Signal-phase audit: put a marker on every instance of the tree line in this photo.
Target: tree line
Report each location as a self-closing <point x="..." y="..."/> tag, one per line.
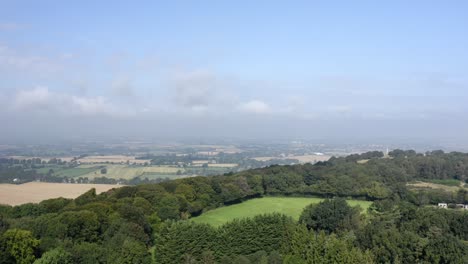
<point x="122" y="225"/>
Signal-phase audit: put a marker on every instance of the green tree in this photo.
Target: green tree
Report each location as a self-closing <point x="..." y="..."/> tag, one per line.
<point x="330" y="216"/>
<point x="20" y="244"/>
<point x="130" y="252"/>
<point x="55" y="256"/>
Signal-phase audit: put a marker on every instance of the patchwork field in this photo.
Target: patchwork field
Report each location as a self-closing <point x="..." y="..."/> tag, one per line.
<point x="118" y="171"/>
<point x="291" y="206"/>
<point x="112" y="159"/>
<point x="34" y="192"/>
<point x="300" y="158"/>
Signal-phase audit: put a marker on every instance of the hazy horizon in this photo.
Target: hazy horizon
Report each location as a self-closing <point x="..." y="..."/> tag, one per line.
<point x="336" y="71"/>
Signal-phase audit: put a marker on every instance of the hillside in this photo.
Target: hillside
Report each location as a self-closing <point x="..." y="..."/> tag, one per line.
<point x="135" y="219"/>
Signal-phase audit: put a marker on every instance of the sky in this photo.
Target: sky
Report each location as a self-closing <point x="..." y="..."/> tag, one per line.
<point x="364" y="70"/>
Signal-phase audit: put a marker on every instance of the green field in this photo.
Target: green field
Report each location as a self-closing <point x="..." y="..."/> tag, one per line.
<point x="118" y="171"/>
<point x="63" y="171"/>
<point x="448" y="182"/>
<point x="291" y="206"/>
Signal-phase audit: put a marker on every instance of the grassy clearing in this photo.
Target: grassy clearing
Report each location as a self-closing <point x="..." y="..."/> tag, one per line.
<point x="291" y="206"/>
<point x="431" y="185"/>
<point x="448" y="182"/>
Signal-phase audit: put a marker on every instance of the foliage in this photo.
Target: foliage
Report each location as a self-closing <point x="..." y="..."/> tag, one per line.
<point x="20" y="245"/>
<point x="331" y="216"/>
<point x="55" y="256"/>
<point x="122" y="225"/>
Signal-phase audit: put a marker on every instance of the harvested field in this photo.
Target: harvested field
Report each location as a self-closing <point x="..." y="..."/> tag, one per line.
<point x="200" y="162"/>
<point x="112" y="159"/>
<point x="300" y="158"/>
<point x="34" y="192"/>
<point x="215" y="165"/>
<point x="116" y="171"/>
<point x="223" y="165"/>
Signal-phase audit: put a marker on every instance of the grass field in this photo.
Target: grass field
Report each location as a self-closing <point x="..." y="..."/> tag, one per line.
<point x="448" y="182"/>
<point x="291" y="206"/>
<point x="76" y="172"/>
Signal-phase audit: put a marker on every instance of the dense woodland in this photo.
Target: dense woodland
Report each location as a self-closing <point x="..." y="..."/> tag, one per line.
<point x="148" y="223"/>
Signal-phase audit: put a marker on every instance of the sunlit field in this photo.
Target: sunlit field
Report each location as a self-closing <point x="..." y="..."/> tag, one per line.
<point x="291" y="206"/>
<point x="35" y="192"/>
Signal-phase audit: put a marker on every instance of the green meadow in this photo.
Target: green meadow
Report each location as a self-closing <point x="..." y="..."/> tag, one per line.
<point x="291" y="206"/>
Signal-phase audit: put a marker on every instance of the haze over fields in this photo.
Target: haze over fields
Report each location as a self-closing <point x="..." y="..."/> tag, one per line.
<point x="152" y="70"/>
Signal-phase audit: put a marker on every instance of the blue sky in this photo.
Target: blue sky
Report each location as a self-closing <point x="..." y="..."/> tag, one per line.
<point x="320" y="66"/>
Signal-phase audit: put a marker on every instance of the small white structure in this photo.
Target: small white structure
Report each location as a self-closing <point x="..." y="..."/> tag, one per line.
<point x="465" y="207"/>
<point x="442" y="205"/>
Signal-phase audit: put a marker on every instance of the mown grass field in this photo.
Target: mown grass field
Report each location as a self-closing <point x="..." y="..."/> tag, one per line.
<point x="63" y="171"/>
<point x="291" y="206"/>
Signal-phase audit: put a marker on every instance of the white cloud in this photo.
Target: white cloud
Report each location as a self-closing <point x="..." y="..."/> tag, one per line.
<point x="38" y="97"/>
<point x="13" y="60"/>
<point x="255" y="106"/>
<point x="123" y="87"/>
<point x="41" y="100"/>
<point x="341" y="109"/>
<point x="194" y="89"/>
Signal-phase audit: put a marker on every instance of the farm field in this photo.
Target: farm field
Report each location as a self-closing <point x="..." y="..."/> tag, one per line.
<point x="35" y="192"/>
<point x="112" y="158"/>
<point x="291" y="206"/>
<point x="128" y="172"/>
<point x="300" y="158"/>
<point x="75" y="172"/>
<point x="432" y="185"/>
<point x="197" y="163"/>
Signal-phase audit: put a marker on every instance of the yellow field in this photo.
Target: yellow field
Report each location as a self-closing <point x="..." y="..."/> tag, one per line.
<point x="223" y="165"/>
<point x="112" y="158"/>
<point x="118" y="171"/>
<point x="195" y="162"/>
<point x="199" y="163"/>
<point x="34" y="192"/>
<point x="301" y="158"/>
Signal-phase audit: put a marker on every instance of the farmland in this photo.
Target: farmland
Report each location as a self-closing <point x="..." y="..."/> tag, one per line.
<point x="118" y="171"/>
<point x="300" y="158"/>
<point x="112" y="159"/>
<point x="34" y="192"/>
<point x="291" y="206"/>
